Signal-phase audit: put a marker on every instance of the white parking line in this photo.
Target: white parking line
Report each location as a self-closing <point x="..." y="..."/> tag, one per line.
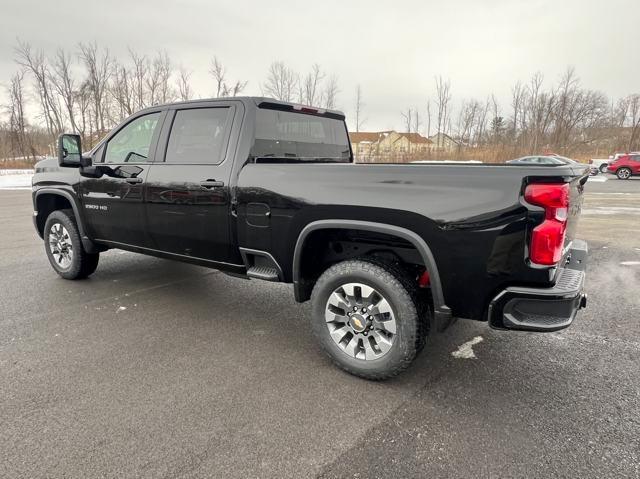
<point x="611" y="210"/>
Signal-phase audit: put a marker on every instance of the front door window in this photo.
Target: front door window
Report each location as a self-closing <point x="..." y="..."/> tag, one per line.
<point x="133" y="142"/>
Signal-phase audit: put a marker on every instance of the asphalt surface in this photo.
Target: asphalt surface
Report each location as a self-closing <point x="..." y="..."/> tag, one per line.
<point x="153" y="368"/>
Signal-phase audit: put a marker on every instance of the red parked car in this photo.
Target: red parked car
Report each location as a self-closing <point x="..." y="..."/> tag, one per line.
<point x="626" y="166"/>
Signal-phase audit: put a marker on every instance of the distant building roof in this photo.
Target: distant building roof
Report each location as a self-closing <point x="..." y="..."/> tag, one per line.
<point x="367" y="136"/>
<point x="444" y="136"/>
<point x="362" y="136"/>
<point x="416" y="138"/>
<point x="374" y="136"/>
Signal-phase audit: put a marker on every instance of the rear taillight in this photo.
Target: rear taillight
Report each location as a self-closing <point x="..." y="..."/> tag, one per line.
<point x="547" y="239"/>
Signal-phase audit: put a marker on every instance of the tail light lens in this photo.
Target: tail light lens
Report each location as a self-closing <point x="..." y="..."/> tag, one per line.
<point x="547" y="239"/>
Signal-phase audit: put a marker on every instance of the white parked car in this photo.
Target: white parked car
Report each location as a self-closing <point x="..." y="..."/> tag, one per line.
<point x="600" y="163"/>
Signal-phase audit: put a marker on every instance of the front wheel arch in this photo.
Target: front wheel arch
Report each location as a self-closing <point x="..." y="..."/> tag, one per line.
<point x="48" y="200"/>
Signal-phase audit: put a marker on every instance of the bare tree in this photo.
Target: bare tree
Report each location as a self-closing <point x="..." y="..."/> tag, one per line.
<point x="20" y="144"/>
<point x="417" y="122"/>
<point x="139" y="74"/>
<point x="428" y="118"/>
<point x="84" y="109"/>
<point x="359" y="106"/>
<point x="541" y="106"/>
<point x="159" y="80"/>
<point x="310" y="89"/>
<point x="99" y="71"/>
<point x="217" y="71"/>
<point x="518" y="94"/>
<point x="468" y="120"/>
<point x="634" y="114"/>
<point x="481" y="123"/>
<point x="184" y="87"/>
<point x="238" y="87"/>
<point x="50" y="108"/>
<point x="407" y="119"/>
<point x="330" y="93"/>
<point x="443" y="97"/>
<point x="122" y="90"/>
<point x="64" y="84"/>
<point x="281" y="82"/>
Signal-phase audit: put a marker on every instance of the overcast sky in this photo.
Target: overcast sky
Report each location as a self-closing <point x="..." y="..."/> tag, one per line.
<point x="393" y="49"/>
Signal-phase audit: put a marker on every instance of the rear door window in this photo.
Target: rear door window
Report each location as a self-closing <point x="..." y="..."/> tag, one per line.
<point x="199" y="136"/>
<point x="299" y="137"/>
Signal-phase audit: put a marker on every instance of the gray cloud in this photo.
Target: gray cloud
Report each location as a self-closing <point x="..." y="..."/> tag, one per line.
<point x="393" y="49"/>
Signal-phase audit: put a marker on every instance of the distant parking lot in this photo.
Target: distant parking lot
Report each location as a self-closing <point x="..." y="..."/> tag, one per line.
<point x="152" y="368"/>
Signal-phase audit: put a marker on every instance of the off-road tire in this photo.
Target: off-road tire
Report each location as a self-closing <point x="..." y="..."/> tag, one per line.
<point x="82" y="264"/>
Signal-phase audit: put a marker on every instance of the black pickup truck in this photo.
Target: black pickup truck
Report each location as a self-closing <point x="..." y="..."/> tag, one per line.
<point x="268" y="190"/>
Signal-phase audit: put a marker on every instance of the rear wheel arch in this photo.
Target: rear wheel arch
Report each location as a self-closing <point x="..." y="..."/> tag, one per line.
<point x="303" y="288"/>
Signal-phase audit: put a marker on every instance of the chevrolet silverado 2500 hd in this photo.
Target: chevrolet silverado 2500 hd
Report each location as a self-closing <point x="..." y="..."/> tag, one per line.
<point x="269" y="190"/>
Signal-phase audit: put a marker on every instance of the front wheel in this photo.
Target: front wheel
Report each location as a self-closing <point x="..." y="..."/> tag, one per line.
<point x="369" y="318"/>
<point x="604" y="168"/>
<point x="623" y="173"/>
<point x="64" y="248"/>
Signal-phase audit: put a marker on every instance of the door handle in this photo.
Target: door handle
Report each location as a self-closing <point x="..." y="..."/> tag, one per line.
<point x="133" y="180"/>
<point x="211" y="184"/>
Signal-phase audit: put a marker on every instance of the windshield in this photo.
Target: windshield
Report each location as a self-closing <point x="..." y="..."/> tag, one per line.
<point x="285" y="135"/>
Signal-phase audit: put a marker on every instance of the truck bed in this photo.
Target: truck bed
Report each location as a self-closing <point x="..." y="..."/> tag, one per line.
<point x="472" y="216"/>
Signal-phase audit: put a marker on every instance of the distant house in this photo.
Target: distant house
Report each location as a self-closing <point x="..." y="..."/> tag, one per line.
<point x="380" y="145"/>
<point x="443" y="142"/>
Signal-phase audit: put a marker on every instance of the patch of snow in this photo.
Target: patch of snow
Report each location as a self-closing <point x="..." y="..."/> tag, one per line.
<point x="121" y="308"/>
<point x="598" y="179"/>
<point x="15" y="179"/>
<point x="465" y="351"/>
<point x="630" y="263"/>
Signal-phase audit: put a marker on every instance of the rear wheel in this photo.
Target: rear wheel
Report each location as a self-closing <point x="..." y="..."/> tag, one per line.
<point x="603" y="168"/>
<point x="64" y="247"/>
<point x="369" y="318"/>
<point x="623" y="173"/>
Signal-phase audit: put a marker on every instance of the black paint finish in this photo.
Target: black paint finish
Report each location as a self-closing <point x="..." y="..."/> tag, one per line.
<point x="472" y="217"/>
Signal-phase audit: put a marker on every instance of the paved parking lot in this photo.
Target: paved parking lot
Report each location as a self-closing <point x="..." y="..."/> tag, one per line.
<point x="152" y="368"/>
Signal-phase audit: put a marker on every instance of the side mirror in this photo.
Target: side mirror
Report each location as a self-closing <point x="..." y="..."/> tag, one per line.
<point x="69" y="150"/>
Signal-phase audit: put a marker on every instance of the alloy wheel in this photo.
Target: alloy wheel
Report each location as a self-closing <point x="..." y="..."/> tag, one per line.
<point x="60" y="245"/>
<point x="360" y="321"/>
<point x="624" y="173"/>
